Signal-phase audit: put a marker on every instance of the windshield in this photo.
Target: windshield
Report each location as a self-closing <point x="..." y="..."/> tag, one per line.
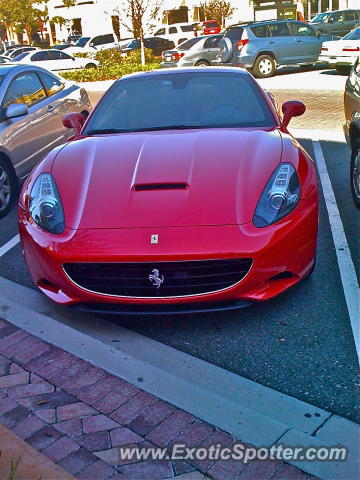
<point x="354" y="35"/>
<point x="82" y="42"/>
<point x="320" y="17"/>
<point x="189" y="43"/>
<point x="2" y="78"/>
<point x="20" y="56"/>
<point x="183" y="100"/>
<point x="133" y="44"/>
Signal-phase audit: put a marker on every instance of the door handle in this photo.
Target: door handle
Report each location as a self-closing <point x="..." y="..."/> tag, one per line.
<point x="299" y="41"/>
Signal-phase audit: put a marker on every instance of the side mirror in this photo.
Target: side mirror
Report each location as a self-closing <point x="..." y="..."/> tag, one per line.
<point x="73" y="59"/>
<point x="16" y="110"/>
<point x="75" y="121"/>
<point x="290" y="109"/>
<point x="91" y="44"/>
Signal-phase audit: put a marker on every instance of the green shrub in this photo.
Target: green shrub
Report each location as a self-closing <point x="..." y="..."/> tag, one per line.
<point x="109" y="57"/>
<point x="108" y="72"/>
<point x="83" y="55"/>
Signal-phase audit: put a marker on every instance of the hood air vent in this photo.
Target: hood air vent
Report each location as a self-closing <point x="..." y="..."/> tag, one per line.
<point x="160" y="186"/>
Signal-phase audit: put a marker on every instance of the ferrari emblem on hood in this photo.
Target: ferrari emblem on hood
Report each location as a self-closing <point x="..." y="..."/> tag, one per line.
<point x="154" y="277"/>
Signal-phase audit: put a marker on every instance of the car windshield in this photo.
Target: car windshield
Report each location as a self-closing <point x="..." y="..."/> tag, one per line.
<point x="20" y="56"/>
<point x="82" y="42"/>
<point x="133" y="44"/>
<point x="189" y="43"/>
<point x="320" y="17"/>
<point x="180" y="101"/>
<point x="2" y="77"/>
<point x="354" y="35"/>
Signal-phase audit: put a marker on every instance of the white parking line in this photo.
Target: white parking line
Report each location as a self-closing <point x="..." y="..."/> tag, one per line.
<point x="9" y="245"/>
<point x="346" y="266"/>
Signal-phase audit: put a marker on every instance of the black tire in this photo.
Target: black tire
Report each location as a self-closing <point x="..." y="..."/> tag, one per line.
<point x="90" y="65"/>
<point x="343" y="69"/>
<point x="355" y="176"/>
<point x="8" y="187"/>
<point x="202" y="63"/>
<point x="264" y="66"/>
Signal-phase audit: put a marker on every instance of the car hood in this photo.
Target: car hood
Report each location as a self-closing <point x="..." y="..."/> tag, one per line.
<point x="167" y="178"/>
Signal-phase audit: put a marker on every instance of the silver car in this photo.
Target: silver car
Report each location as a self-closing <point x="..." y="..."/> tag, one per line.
<point x="33" y="102"/>
<point x="198" y="51"/>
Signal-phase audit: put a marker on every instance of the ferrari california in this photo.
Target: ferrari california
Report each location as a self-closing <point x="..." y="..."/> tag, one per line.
<point x="182" y="191"/>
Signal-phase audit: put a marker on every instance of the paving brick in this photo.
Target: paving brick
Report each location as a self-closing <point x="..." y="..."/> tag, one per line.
<point x="14" y="416"/>
<point x="289" y="472"/>
<point x="116" y="398"/>
<point x="110" y="456"/>
<point x="216" y="438"/>
<point x="28" y="426"/>
<point x="133" y="407"/>
<point x="2" y="395"/>
<point x="30" y="390"/>
<point x="228" y="469"/>
<point x="44" y="437"/>
<point x="30" y="348"/>
<point x="7" y="404"/>
<point x="151" y="417"/>
<point x="72" y="428"/>
<point x="100" y="389"/>
<point x="35" y="378"/>
<point x="170" y="427"/>
<point x="83" y="380"/>
<point x="15" y="368"/>
<point x="7" y="343"/>
<point x="95" y="441"/>
<point x="4" y="323"/>
<point x="263" y="470"/>
<point x="46" y="414"/>
<point x="148" y="470"/>
<point x="180" y="467"/>
<point x="59" y="379"/>
<point x="60" y="449"/>
<point x="4" y="366"/>
<point x="73" y="410"/>
<point x="6" y="330"/>
<point x="123" y="436"/>
<point x="14" y="380"/>
<point x="77" y="461"/>
<point x="43" y="359"/>
<point x="98" y="423"/>
<point x="194" y="434"/>
<point x="60" y="362"/>
<point x="98" y="470"/>
<point x="51" y="400"/>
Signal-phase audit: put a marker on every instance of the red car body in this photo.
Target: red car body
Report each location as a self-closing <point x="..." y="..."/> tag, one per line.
<point x="221" y="173"/>
<point x="211" y="27"/>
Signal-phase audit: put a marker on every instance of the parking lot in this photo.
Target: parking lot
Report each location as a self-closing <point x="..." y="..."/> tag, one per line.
<point x="301" y="343"/>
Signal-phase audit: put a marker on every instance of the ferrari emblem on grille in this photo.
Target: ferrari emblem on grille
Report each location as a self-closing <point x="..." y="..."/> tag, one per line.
<point x="154" y="238"/>
<point x="154" y="277"/>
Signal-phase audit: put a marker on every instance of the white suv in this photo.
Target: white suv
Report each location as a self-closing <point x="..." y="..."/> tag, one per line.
<point x="178" y="32"/>
<point x="92" y="44"/>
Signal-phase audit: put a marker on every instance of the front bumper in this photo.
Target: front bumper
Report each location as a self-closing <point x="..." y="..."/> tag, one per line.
<point x="282" y="255"/>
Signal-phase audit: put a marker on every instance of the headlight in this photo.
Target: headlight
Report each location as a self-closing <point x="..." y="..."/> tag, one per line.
<point x="279" y="198"/>
<point x="45" y="204"/>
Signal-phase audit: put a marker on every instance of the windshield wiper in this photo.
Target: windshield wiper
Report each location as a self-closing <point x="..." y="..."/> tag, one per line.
<point x="107" y="130"/>
<point x="167" y="127"/>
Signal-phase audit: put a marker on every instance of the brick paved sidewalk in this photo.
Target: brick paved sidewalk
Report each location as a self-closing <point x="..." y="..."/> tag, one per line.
<point x="78" y="415"/>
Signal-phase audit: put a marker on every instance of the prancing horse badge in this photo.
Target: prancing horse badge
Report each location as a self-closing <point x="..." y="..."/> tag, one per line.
<point x="154" y="238"/>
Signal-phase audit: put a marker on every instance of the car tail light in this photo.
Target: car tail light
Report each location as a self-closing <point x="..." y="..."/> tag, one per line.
<point x="357" y="49"/>
<point x="176" y="56"/>
<point x="242" y="43"/>
<point x="324" y="49"/>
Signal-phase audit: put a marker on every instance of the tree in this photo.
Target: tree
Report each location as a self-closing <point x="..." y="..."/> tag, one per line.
<point x="217" y="10"/>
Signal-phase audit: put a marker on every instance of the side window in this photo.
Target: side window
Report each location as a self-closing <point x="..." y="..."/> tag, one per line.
<point x="261" y="31"/>
<point x="55" y="55"/>
<point x="40" y="56"/>
<point x="64" y="56"/>
<point x="25" y="88"/>
<point x="97" y="40"/>
<point x="301" y="30"/>
<point x="279" y="29"/>
<point x="234" y="33"/>
<point x="349" y="16"/>
<point x="52" y="85"/>
<point x="172" y="30"/>
<point x="335" y="17"/>
<point x="212" y="42"/>
<point x="109" y="38"/>
<point x="161" y="31"/>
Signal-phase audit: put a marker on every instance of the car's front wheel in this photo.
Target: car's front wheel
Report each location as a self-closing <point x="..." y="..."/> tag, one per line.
<point x="355" y="176"/>
<point x="90" y="65"/>
<point x="202" y="63"/>
<point x="8" y="187"/>
<point x="264" y="66"/>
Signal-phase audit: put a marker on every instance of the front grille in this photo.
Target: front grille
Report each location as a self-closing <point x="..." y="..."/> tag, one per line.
<point x="175" y="279"/>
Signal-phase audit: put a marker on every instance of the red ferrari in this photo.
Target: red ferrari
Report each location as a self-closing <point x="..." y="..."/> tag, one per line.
<point x="183" y="191"/>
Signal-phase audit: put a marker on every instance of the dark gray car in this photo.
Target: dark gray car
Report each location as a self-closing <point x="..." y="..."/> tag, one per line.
<point x="198" y="51"/>
<point x="32" y="104"/>
<point x="263" y="46"/>
<point x="339" y="22"/>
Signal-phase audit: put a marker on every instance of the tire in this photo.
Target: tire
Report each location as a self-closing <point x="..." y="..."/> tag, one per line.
<point x="355" y="176"/>
<point x="264" y="66"/>
<point x="8" y="187"/>
<point x="202" y="63"/>
<point x="226" y="50"/>
<point x="342" y="69"/>
<point x="90" y="65"/>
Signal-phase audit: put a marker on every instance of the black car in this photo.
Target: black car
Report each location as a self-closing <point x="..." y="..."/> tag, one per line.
<point x="156" y="44"/>
<point x="352" y="127"/>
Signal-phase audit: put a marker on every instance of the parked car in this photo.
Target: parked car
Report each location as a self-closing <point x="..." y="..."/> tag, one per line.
<point x="210" y="27"/>
<point x="10" y="46"/>
<point x="263" y="46"/>
<point x="352" y="127"/>
<point x="72" y="39"/>
<point x="198" y="51"/>
<point x="210" y="185"/>
<point x="62" y="46"/>
<point x="155" y="44"/>
<point x="4" y="59"/>
<point x="177" y="32"/>
<point x="33" y="102"/>
<point x="17" y="51"/>
<point x="342" y="54"/>
<point x="339" y="22"/>
<point x="55" y="60"/>
<point x="93" y="44"/>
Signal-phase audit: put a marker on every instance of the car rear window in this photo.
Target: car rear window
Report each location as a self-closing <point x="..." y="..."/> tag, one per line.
<point x="189" y="43"/>
<point x="181" y="100"/>
<point x="187" y="28"/>
<point x="234" y="33"/>
<point x="211" y="25"/>
<point x="354" y="35"/>
<point x="260" y="31"/>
